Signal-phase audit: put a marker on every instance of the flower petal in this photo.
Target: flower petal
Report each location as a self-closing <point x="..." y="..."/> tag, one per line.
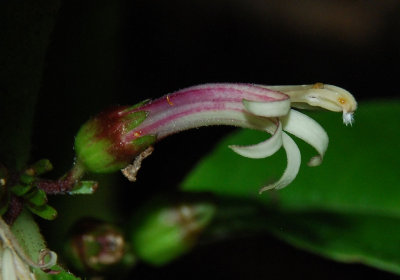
<point x="293" y="164"/>
<point x="263" y="149"/>
<point x="308" y="130"/>
<point x="268" y="109"/>
<point x="8" y="266"/>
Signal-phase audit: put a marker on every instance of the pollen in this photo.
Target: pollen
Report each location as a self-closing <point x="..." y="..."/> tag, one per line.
<point x="169" y="101"/>
<point x="342" y="100"/>
<point x="137" y="133"/>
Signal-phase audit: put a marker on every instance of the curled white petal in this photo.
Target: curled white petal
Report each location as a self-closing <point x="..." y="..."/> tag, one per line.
<point x="293" y="164"/>
<point x="263" y="149"/>
<point x="268" y="109"/>
<point x="308" y="130"/>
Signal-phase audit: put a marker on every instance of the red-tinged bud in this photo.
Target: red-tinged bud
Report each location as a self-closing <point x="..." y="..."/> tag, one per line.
<point x="98" y="247"/>
<point x="101" y="143"/>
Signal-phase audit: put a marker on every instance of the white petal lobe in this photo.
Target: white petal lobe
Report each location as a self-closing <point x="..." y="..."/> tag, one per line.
<point x="293" y="164"/>
<point x="308" y="130"/>
<point x="263" y="149"/>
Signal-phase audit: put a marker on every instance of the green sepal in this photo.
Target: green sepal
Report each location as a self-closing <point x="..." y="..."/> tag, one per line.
<point x="135" y="119"/>
<point x="36" y="197"/>
<point x="20" y="190"/>
<point x="26" y="179"/>
<point x="40" y="167"/>
<point x="143" y="142"/>
<point x="45" y="211"/>
<point x="137" y="105"/>
<point x="84" y="187"/>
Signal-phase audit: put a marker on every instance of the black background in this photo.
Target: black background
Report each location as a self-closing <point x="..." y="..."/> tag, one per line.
<point x="103" y="53"/>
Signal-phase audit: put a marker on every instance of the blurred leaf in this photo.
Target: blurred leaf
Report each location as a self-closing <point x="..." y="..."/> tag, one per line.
<point x="357" y="183"/>
<point x="63" y="275"/>
<point x="366" y="238"/>
<point x="28" y="235"/>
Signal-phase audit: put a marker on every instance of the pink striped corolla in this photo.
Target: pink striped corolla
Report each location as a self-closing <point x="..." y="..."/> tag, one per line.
<point x="114" y="138"/>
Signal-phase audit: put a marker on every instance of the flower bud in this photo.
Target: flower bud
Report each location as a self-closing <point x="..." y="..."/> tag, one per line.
<point x="101" y="144"/>
<point x="168" y="231"/>
<point x="97" y="247"/>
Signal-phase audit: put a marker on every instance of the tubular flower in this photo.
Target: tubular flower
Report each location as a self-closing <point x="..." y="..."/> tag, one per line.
<point x="113" y="139"/>
<point x="14" y="263"/>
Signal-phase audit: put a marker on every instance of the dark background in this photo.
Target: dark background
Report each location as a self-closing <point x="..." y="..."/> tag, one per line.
<point x="103" y="53"/>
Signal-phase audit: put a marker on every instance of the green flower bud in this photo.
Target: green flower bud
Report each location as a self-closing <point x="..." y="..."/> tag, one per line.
<point x="104" y="144"/>
<point x="97" y="247"/>
<point x="165" y="233"/>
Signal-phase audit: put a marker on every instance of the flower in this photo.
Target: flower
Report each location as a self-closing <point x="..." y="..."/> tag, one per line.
<point x="14" y="263"/>
<point x="114" y="138"/>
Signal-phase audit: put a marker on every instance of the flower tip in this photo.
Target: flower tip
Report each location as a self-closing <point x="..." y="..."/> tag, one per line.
<point x="348" y="118"/>
<point x="266" y="188"/>
<point x="315" y="161"/>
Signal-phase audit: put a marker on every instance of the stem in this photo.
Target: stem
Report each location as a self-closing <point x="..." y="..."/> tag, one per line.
<point x="65" y="183"/>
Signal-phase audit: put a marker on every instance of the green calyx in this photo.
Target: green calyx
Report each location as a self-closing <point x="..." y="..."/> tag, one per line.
<point x="92" y="151"/>
<point x="135" y="119"/>
<point x="143" y="142"/>
<point x="162" y="234"/>
<point x="101" y="146"/>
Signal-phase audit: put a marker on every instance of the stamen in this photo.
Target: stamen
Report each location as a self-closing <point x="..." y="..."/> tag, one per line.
<point x="348" y="118"/>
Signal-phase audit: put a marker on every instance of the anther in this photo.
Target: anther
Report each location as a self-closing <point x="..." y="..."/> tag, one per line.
<point x="169" y="101"/>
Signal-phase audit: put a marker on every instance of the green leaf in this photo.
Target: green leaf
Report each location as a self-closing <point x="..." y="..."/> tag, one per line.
<point x="63" y="275"/>
<point x="366" y="238"/>
<point x="28" y="235"/>
<point x="357" y="183"/>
